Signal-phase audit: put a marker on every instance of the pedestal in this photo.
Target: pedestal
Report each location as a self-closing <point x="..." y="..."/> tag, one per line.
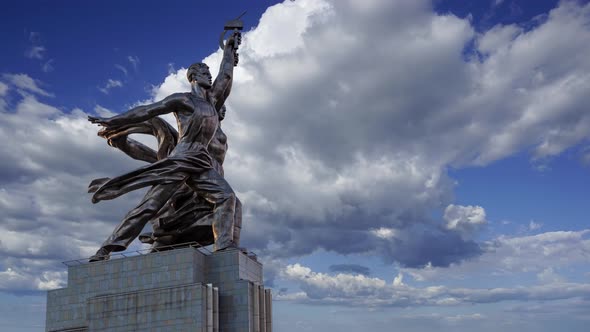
<point x="176" y="290"/>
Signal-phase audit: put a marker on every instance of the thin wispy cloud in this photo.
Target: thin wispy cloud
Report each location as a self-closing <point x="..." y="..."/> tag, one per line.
<point x="35" y="49"/>
<point x="122" y="69"/>
<point x="48" y="66"/>
<point x="134" y="60"/>
<point x="111" y="83"/>
<point x="35" y="52"/>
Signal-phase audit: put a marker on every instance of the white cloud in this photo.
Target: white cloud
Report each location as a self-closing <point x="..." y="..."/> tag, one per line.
<point x="504" y="256"/>
<point x="23" y="281"/>
<point x="288" y="21"/>
<point x="542" y="86"/>
<point x="111" y="83"/>
<point x="341" y="136"/>
<point x="122" y="69"/>
<point x="320" y="285"/>
<point x="3" y="89"/>
<point x="35" y="52"/>
<point x="174" y="82"/>
<point x="48" y="66"/>
<point x="466" y="220"/>
<point x="459" y="318"/>
<point x="359" y="290"/>
<point x="25" y="83"/>
<point x="533" y="226"/>
<point x="3" y="103"/>
<point x="290" y="296"/>
<point x="498" y="38"/>
<point x="134" y="60"/>
<point x="384" y="233"/>
<point x="48" y="158"/>
<point x="548" y="275"/>
<point x="354" y="133"/>
<point x="103" y="112"/>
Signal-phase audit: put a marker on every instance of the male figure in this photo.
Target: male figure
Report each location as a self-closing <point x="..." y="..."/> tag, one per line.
<point x="189" y="162"/>
<point x="186" y="217"/>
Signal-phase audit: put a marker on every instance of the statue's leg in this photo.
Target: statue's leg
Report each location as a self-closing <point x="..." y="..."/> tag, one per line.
<point x="211" y="186"/>
<point x="130" y="227"/>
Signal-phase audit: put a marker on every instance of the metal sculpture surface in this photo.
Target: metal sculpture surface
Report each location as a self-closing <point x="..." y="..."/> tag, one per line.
<point x="189" y="200"/>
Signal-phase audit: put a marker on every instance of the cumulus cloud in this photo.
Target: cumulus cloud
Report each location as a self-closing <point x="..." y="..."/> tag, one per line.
<point x="384" y="233"/>
<point x="175" y="82"/>
<point x="506" y="255"/>
<point x="48" y="158"/>
<point x="340" y="140"/>
<point x="342" y="285"/>
<point x="359" y="290"/>
<point x="547" y="111"/>
<point x="498" y="37"/>
<point x="18" y="281"/>
<point x="330" y="196"/>
<point x="466" y="220"/>
<point x="341" y="136"/>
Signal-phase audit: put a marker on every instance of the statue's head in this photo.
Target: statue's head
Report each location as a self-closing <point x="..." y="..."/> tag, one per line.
<point x="199" y="72"/>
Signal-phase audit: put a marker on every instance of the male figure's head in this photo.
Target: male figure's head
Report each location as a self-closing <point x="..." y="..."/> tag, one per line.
<point x="199" y="73"/>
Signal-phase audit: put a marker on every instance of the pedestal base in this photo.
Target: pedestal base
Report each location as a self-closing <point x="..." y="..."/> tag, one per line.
<point x="177" y="290"/>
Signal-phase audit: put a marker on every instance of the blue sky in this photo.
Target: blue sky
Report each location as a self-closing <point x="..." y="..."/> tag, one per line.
<point x="411" y="164"/>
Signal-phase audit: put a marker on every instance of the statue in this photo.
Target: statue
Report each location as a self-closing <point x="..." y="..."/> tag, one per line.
<point x="188" y="198"/>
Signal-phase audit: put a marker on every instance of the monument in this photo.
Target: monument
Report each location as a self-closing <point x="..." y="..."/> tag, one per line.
<point x="178" y="285"/>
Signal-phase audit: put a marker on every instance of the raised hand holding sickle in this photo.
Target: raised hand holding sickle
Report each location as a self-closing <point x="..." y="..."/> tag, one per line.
<point x="236" y="38"/>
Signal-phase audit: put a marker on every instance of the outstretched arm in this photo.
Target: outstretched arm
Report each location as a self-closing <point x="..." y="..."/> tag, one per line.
<point x="142" y="113"/>
<point x="222" y="85"/>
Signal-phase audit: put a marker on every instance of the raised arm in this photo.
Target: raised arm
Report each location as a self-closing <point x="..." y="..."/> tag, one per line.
<point x="142" y="113"/>
<point x="222" y="84"/>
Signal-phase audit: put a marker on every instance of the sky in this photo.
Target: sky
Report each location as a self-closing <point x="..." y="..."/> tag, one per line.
<point x="403" y="164"/>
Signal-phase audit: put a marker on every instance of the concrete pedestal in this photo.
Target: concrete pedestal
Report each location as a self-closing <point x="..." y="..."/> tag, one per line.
<point x="176" y="290"/>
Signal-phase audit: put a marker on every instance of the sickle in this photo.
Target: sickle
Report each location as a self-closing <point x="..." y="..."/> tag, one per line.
<point x="235" y="24"/>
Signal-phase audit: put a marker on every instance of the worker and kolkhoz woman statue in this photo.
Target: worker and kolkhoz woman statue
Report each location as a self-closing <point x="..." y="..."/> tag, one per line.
<point x="189" y="200"/>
